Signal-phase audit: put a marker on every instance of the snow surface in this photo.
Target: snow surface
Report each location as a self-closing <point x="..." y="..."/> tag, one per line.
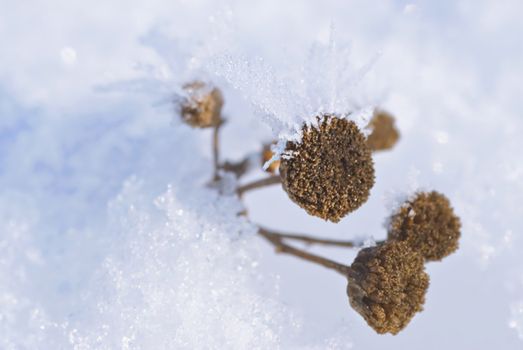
<point x="109" y="238"/>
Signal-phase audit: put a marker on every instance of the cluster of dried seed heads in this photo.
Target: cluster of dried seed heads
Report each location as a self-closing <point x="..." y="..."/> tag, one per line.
<point x="329" y="174"/>
<point x="387" y="283"/>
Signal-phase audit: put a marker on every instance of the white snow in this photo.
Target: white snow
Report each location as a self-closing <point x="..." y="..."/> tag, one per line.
<point x="110" y="239"/>
<point x="68" y="55"/>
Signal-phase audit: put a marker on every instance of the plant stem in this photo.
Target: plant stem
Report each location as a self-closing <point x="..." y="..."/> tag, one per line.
<point x="238" y="168"/>
<point x="314" y="240"/>
<point x="281" y="247"/>
<point x="271" y="180"/>
<point x="216" y="150"/>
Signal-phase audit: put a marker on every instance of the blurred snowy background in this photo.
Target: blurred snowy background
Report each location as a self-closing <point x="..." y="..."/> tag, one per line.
<point x="109" y="239"/>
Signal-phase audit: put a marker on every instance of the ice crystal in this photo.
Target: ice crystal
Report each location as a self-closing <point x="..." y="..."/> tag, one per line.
<point x="288" y="95"/>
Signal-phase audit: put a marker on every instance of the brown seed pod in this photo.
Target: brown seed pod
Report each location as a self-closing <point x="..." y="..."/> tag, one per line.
<point x="331" y="171"/>
<point x="384" y="133"/>
<point x="202" y="108"/>
<point x="266" y="156"/>
<point x="387" y="286"/>
<point x="428" y="225"/>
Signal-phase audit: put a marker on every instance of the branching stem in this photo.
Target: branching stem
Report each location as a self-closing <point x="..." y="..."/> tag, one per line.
<point x="314" y="240"/>
<point x="281" y="247"/>
<point x="276" y="238"/>
<point x="239" y="168"/>
<point x="216" y="150"/>
<point x="271" y="180"/>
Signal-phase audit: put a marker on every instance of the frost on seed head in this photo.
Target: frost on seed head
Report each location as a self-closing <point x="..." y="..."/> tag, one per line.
<point x="387" y="286"/>
<point x="428" y="224"/>
<point x="289" y="91"/>
<point x="331" y="171"/>
<point x="267" y="156"/>
<point x="202" y="106"/>
<point x="384" y="133"/>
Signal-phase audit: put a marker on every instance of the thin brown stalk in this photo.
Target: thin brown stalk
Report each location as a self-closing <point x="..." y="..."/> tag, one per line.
<point x="314" y="240"/>
<point x="271" y="180"/>
<point x="216" y="150"/>
<point x="239" y="168"/>
<point x="281" y="247"/>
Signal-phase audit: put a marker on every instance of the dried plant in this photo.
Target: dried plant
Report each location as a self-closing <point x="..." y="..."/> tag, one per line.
<point x="384" y="135"/>
<point x="428" y="225"/>
<point x="330" y="173"/>
<point x="203" y="105"/>
<point x="387" y="285"/>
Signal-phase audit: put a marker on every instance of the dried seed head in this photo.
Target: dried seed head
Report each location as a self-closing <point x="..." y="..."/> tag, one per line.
<point x="384" y="133"/>
<point x="387" y="286"/>
<point x="428" y="225"/>
<point x="331" y="171"/>
<point x="202" y="108"/>
<point x="266" y="156"/>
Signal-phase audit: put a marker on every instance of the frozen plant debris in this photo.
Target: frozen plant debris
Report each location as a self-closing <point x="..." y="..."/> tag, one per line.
<point x="384" y="133"/>
<point x="328" y="171"/>
<point x="202" y="107"/>
<point x="387" y="286"/>
<point x="428" y="224"/>
<point x="331" y="172"/>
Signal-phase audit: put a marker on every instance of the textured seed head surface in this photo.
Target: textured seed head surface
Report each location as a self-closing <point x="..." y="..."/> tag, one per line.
<point x="428" y="225"/>
<point x="331" y="171"/>
<point x="384" y="133"/>
<point x="387" y="286"/>
<point x="202" y="108"/>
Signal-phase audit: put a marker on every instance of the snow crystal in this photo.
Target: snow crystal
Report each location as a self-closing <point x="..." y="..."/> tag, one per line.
<point x="410" y="9"/>
<point x="437" y="167"/>
<point x="369" y="242"/>
<point x="184" y="282"/>
<point x="181" y="274"/>
<point x="441" y="137"/>
<point x="516" y="320"/>
<point x="68" y="55"/>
